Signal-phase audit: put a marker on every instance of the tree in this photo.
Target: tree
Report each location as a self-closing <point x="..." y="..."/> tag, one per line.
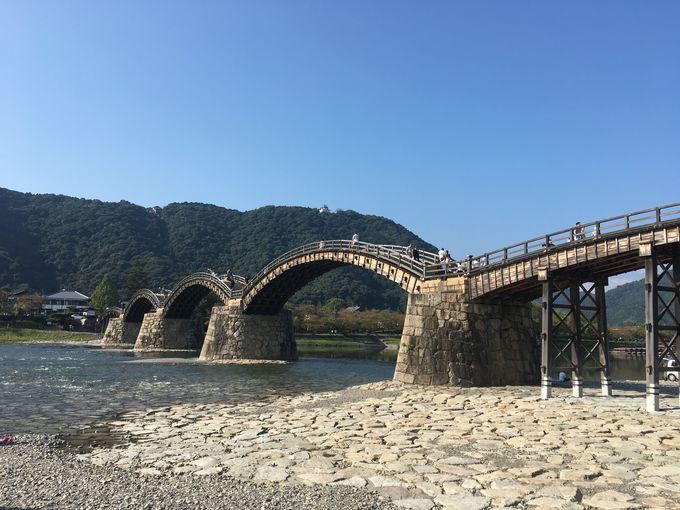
<point x="135" y="279"/>
<point x="104" y="295"/>
<point x="28" y="303"/>
<point x="334" y="305"/>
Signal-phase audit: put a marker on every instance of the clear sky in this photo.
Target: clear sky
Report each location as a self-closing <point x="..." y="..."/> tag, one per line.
<point x="475" y="124"/>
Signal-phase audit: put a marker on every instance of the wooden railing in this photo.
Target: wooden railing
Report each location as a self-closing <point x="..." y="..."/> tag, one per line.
<point x="609" y="227"/>
<point x="211" y="275"/>
<point x="393" y="254"/>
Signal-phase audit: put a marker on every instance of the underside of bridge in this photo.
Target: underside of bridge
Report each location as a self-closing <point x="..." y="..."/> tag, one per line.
<point x="137" y="309"/>
<point x="271" y="298"/>
<point x="183" y="304"/>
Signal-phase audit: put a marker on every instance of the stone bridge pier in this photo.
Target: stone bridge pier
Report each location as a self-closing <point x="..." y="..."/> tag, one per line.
<point x="121" y="333"/>
<point x="233" y="334"/>
<point x="159" y="333"/>
<point x="447" y="339"/>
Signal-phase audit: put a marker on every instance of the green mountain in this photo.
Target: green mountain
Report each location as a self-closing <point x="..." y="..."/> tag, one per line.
<point x="48" y="242"/>
<point x="626" y="305"/>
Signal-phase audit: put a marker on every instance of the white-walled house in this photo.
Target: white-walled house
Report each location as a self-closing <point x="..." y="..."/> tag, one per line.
<point x="64" y="299"/>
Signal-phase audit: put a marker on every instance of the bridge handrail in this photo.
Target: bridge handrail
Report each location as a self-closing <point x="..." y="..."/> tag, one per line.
<point x="573" y="235"/>
<point x="207" y="275"/>
<point x="386" y="252"/>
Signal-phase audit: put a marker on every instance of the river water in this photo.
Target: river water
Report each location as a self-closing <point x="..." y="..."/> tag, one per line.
<point x="52" y="388"/>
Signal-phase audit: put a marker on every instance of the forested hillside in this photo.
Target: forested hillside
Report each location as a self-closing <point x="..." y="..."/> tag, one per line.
<point x="626" y="305"/>
<point x="48" y="242"/>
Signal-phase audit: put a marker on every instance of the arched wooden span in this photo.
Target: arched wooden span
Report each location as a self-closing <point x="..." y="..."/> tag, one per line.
<point x="143" y="301"/>
<point x="290" y="272"/>
<point x="190" y="291"/>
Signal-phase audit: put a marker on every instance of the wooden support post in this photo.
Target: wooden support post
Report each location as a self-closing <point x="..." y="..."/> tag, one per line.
<point x="651" y="330"/>
<point x="676" y="311"/>
<point x="546" y="332"/>
<point x="576" y="356"/>
<point x="604" y="337"/>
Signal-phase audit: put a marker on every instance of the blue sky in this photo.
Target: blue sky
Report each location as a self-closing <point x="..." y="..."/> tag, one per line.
<point x="474" y="124"/>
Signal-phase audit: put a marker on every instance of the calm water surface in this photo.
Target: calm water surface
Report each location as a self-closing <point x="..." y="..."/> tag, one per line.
<point x="49" y="388"/>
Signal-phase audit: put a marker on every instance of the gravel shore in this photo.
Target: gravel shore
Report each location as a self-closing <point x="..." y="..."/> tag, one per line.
<point x="379" y="445"/>
<point x="36" y="472"/>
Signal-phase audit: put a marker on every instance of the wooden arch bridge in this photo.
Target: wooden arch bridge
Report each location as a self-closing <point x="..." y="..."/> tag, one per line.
<point x="468" y="322"/>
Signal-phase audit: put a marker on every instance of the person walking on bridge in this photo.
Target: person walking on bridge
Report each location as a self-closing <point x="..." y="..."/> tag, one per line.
<point x="355" y="240"/>
<point x="578" y="232"/>
<point x="442" y="254"/>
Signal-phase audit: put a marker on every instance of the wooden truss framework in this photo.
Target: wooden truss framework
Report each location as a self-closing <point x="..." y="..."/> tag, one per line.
<point x="662" y="317"/>
<point x="574" y="332"/>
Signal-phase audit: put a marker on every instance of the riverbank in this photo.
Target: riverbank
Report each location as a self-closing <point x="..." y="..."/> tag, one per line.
<point x="20" y="335"/>
<point x="421" y="447"/>
<point x="35" y="472"/>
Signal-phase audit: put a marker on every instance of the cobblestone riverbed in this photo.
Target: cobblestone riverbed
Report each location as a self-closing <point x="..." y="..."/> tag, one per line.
<point x="417" y="447"/>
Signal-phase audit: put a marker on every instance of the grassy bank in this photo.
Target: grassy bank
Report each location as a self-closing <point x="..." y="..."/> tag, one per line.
<point x="16" y="335"/>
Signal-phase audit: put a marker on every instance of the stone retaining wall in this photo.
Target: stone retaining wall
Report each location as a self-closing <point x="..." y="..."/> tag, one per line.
<point x="449" y="340"/>
<point x="234" y="335"/>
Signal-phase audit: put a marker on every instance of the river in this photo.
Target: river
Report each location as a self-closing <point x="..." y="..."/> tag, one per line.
<point x="52" y="388"/>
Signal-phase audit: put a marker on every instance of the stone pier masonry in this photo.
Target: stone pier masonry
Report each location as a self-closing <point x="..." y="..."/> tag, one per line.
<point x="114" y="332"/>
<point x="159" y="333"/>
<point x="449" y="340"/>
<point x="234" y="335"/>
<point x="120" y="333"/>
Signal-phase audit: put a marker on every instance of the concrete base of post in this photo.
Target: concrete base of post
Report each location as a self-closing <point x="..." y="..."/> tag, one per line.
<point x="577" y="387"/>
<point x="652" y="399"/>
<point x="606" y="386"/>
<point x="546" y="387"/>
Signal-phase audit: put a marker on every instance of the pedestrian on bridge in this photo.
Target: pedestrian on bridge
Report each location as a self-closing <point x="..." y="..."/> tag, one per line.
<point x="578" y="232"/>
<point x="442" y="254"/>
<point x="355" y="239"/>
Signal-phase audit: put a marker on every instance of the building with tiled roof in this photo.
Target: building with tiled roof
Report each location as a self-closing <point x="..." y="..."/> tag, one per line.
<point x="65" y="299"/>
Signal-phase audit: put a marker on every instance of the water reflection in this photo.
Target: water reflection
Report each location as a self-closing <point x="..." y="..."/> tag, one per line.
<point x="620" y="368"/>
<point x="386" y="355"/>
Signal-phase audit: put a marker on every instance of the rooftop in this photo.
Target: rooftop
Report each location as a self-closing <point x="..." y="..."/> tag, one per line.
<point x="72" y="295"/>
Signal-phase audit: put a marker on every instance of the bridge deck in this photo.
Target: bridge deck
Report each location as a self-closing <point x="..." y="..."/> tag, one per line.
<point x="596" y="257"/>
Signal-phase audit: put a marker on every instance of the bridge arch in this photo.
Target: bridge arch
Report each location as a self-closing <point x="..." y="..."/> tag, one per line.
<point x="191" y="290"/>
<point x="290" y="272"/>
<point x="142" y="302"/>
